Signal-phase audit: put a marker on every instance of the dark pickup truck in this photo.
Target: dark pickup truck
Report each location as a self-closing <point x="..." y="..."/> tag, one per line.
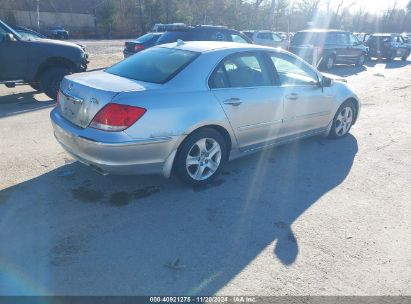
<point x="41" y="63"/>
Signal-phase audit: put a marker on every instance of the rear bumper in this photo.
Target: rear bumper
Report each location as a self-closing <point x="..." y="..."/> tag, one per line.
<point x="114" y="155"/>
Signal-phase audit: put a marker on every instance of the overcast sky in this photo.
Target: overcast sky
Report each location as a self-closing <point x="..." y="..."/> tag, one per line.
<point x="374" y="6"/>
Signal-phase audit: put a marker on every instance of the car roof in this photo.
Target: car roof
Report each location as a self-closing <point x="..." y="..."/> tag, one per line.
<point x="209" y="46"/>
<point x="322" y="31"/>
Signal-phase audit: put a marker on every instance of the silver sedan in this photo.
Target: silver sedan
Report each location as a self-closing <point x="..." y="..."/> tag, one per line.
<point x="188" y="108"/>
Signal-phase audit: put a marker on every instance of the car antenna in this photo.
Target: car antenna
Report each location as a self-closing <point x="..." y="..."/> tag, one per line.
<point x="180" y="42"/>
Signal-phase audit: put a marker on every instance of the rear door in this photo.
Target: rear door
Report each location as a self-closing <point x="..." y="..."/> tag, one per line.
<point x="342" y="47"/>
<point x="243" y="85"/>
<point x="306" y="107"/>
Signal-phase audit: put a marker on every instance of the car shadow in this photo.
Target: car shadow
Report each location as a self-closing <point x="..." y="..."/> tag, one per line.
<point x="394" y="64"/>
<point x="342" y="70"/>
<point x="71" y="231"/>
<point x="14" y="104"/>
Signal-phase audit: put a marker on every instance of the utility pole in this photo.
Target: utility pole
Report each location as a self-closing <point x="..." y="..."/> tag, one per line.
<point x="38" y="15"/>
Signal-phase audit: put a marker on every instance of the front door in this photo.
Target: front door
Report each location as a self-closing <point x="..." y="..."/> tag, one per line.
<point x="306" y="107"/>
<point x="243" y="85"/>
<point x="13" y="58"/>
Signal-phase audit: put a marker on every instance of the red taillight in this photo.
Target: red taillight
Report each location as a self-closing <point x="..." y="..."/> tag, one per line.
<point x="138" y="48"/>
<point x="115" y="117"/>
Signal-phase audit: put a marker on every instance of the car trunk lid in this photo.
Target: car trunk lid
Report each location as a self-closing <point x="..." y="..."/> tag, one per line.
<point x="82" y="96"/>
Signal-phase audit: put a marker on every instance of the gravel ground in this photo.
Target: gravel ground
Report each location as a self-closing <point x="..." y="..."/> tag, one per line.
<point x="317" y="217"/>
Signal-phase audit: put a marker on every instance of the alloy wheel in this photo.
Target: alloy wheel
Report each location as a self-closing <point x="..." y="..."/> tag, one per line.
<point x="344" y="121"/>
<point x="203" y="159"/>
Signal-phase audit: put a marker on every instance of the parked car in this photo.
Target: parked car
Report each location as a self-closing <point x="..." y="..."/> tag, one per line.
<point x="160" y="27"/>
<point x="203" y="33"/>
<point x="28" y="34"/>
<point x="58" y="32"/>
<point x="188" y="107"/>
<point x="389" y="46"/>
<point x="362" y="37"/>
<point x="267" y="38"/>
<point x="331" y="47"/>
<point x="144" y="42"/>
<point x="41" y="63"/>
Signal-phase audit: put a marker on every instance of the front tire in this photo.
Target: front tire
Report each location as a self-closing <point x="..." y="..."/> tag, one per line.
<point x="201" y="157"/>
<point x="343" y="120"/>
<point x="361" y="61"/>
<point x="329" y="63"/>
<point x="50" y="80"/>
<point x="405" y="57"/>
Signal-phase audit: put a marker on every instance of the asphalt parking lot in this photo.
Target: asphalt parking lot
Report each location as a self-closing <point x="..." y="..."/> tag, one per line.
<point x="317" y="217"/>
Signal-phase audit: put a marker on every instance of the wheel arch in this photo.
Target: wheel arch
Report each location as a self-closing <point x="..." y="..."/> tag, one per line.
<point x="357" y="107"/>
<point x="54" y="62"/>
<point x="169" y="165"/>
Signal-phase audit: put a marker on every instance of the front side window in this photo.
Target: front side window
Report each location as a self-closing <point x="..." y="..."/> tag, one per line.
<point x="238" y="38"/>
<point x="276" y="38"/>
<point x="241" y="71"/>
<point x="156" y="65"/>
<point x="353" y="40"/>
<point x="342" y="39"/>
<point x="293" y="72"/>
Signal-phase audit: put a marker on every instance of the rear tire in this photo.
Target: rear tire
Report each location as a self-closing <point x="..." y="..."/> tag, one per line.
<point x="200" y="157"/>
<point x="50" y="80"/>
<point x="343" y="120"/>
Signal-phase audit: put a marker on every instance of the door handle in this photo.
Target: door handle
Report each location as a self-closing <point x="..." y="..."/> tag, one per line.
<point x="292" y="96"/>
<point x="233" y="102"/>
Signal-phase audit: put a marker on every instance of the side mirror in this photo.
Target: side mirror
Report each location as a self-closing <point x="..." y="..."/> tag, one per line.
<point x="327" y="82"/>
<point x="9" y="38"/>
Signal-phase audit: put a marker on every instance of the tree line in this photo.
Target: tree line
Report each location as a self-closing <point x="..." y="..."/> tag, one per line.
<point x="132" y="17"/>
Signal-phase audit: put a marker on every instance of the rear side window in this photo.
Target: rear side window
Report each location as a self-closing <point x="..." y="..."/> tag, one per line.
<point x="266" y="36"/>
<point x="157" y="65"/>
<point x="241" y="71"/>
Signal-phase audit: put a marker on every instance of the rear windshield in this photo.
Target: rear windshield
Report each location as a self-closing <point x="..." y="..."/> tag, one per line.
<point x="146" y="38"/>
<point x="312" y="38"/>
<point x="169" y="37"/>
<point x="156" y="65"/>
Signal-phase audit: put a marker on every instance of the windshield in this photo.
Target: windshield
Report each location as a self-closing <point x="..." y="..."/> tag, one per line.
<point x="312" y="38"/>
<point x="157" y="65"/>
<point x="4" y="29"/>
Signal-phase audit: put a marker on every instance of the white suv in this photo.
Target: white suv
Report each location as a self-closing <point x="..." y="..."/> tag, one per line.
<point x="267" y="38"/>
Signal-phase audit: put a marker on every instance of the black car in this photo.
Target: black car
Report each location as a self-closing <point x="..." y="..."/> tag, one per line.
<point x="58" y="32"/>
<point x="144" y="42"/>
<point x="41" y="63"/>
<point x="329" y="47"/>
<point x="388" y="46"/>
<point x="204" y="33"/>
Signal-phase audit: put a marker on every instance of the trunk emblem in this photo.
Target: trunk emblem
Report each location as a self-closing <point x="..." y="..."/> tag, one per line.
<point x="94" y="101"/>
